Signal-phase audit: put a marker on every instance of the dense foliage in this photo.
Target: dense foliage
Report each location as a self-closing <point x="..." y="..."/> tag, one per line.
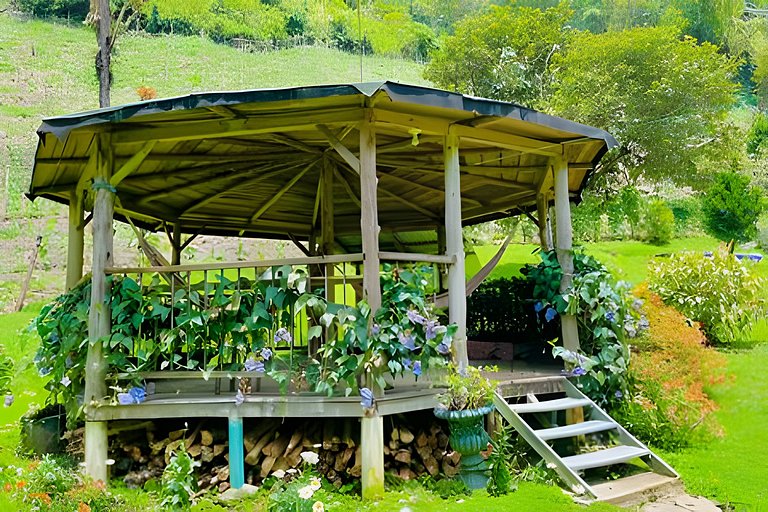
<point x="608" y="317"/>
<point x="732" y="206"/>
<point x="717" y="290"/>
<point x="670" y="407"/>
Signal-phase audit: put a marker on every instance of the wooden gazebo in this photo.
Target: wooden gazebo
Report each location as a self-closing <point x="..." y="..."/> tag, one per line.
<point x="342" y="170"/>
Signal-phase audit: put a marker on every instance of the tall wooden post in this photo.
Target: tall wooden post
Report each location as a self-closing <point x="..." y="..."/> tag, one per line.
<point x="372" y="425"/>
<point x="176" y="243"/>
<point x="326" y="219"/>
<point x="545" y="230"/>
<point x="454" y="246"/>
<point x="75" y="239"/>
<point x="565" y="247"/>
<point x="99" y="317"/>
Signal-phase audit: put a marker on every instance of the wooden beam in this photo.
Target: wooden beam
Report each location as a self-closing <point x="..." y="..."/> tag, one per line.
<point x="348" y="187"/>
<point x="341" y="149"/>
<point x="132" y="164"/>
<point x="409" y="204"/>
<point x="507" y="140"/>
<point x="417" y="257"/>
<point x="328" y="229"/>
<point x="565" y="247"/>
<point x="129" y="133"/>
<point x="454" y="243"/>
<point x="266" y="206"/>
<point x="545" y="235"/>
<point x="75" y="239"/>
<point x="411" y="183"/>
<point x="99" y="317"/>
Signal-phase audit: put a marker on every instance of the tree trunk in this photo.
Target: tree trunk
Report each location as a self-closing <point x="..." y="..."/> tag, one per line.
<point x="102" y="18"/>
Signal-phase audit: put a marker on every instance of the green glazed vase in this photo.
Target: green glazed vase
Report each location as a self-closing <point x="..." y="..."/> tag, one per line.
<point x="469" y="438"/>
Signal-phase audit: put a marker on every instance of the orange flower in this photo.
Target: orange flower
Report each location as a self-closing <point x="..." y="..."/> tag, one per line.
<point x="20" y="484"/>
<point x="83" y="507"/>
<point x="42" y="496"/>
<point x="7" y="487"/>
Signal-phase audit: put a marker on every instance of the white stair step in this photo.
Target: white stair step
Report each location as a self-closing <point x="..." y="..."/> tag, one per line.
<point x="605" y="457"/>
<point x="561" y="404"/>
<point x="577" y="429"/>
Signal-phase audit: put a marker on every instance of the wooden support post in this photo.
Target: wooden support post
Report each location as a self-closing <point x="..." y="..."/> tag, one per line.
<point x="236" y="452"/>
<point x="565" y="247"/>
<point x="369" y="215"/>
<point x="454" y="246"/>
<point x="542" y="209"/>
<point x="75" y="239"/>
<point x="372" y="445"/>
<point x="327" y="234"/>
<point x="372" y="426"/>
<point x="99" y="317"/>
<point x="176" y="243"/>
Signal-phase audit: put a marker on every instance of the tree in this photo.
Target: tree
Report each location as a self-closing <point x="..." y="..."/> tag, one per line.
<point x="665" y="98"/>
<point x="731" y="207"/>
<point x="502" y="54"/>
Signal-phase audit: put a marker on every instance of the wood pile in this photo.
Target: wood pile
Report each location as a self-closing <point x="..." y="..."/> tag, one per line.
<point x="416" y="445"/>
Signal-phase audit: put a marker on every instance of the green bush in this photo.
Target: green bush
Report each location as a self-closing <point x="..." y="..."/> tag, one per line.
<point x="731" y="207"/>
<point x="757" y="138"/>
<point x="659" y="223"/>
<point x="689" y="216"/>
<point x="718" y="291"/>
<point x="58" y="8"/>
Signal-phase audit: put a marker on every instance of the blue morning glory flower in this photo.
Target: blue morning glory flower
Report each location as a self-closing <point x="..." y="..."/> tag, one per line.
<point x="407" y="363"/>
<point x="8" y="400"/>
<point x="610" y="316"/>
<point x="366" y="398"/>
<point x="282" y="334"/>
<point x="578" y="371"/>
<point x="538" y="306"/>
<point x="138" y="394"/>
<point x="618" y="394"/>
<point x="250" y="364"/>
<point x="124" y="399"/>
<point x="266" y="354"/>
<point x="375" y="329"/>
<point x="417" y="368"/>
<point x="443" y="349"/>
<point x="550" y="314"/>
<point x="415" y="317"/>
<point x="407" y="340"/>
<point x="430" y="328"/>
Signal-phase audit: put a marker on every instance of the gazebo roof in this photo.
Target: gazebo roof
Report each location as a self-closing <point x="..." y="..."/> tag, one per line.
<point x="248" y="163"/>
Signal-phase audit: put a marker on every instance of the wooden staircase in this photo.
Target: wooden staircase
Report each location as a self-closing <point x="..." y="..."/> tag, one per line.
<point x="621" y="447"/>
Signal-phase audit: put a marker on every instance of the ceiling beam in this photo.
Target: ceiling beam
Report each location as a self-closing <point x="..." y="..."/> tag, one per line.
<point x="266" y="206"/>
<point x="132" y="164"/>
<point x="340" y="148"/>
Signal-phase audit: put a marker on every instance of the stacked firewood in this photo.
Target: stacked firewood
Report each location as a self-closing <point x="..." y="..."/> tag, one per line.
<point x="415" y="445"/>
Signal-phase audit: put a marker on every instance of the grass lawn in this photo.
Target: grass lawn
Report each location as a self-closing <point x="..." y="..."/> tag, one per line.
<point x="734" y="468"/>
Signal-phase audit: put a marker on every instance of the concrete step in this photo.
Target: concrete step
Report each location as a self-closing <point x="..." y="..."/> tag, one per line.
<point x="636" y="489"/>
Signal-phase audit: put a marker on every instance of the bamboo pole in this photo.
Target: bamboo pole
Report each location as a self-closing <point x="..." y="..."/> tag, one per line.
<point x="454" y="246"/>
<point x="542" y="210"/>
<point x="565" y="247"/>
<point x="176" y="243"/>
<point x="99" y="316"/>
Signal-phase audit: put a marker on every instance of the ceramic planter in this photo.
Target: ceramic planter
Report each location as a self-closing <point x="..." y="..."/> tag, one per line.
<point x="468" y="437"/>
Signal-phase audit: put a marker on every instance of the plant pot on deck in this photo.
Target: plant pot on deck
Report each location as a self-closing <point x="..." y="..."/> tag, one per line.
<point x="469" y="438"/>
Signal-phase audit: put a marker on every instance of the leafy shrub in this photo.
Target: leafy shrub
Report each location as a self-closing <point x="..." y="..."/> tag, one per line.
<point x="689" y="217"/>
<point x="731" y="207"/>
<point x="503" y="310"/>
<point x="718" y="291"/>
<point x="58" y="8"/>
<point x="179" y="481"/>
<point x="757" y="138"/>
<point x="671" y="405"/>
<point x="469" y="391"/>
<point x="659" y="223"/>
<point x="607" y="316"/>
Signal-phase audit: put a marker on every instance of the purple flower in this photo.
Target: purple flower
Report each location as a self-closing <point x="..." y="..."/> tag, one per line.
<point x="407" y="363"/>
<point x="417" y="368"/>
<point x="138" y="394"/>
<point x="430" y="328"/>
<point x="618" y="394"/>
<point x="415" y="317"/>
<point x="250" y="364"/>
<point x="266" y="354"/>
<point x="643" y="324"/>
<point x="578" y="372"/>
<point x="282" y="334"/>
<point x="407" y="340"/>
<point x="366" y="396"/>
<point x="443" y="349"/>
<point x="124" y="399"/>
<point x="239" y="397"/>
<point x="375" y="329"/>
<point x="8" y="400"/>
<point x="610" y="316"/>
<point x="538" y="306"/>
<point x="550" y="314"/>
<point x="637" y="304"/>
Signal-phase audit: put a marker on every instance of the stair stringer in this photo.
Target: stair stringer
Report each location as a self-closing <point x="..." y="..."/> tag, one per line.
<point x="570" y="477"/>
<point x="653" y="461"/>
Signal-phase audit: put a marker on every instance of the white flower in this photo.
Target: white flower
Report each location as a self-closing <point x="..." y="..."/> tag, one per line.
<point x="292" y="471"/>
<point x="306" y="492"/>
<point x="279" y="474"/>
<point x="315" y="483"/>
<point x="318" y="507"/>
<point x="310" y="457"/>
<point x="66" y="381"/>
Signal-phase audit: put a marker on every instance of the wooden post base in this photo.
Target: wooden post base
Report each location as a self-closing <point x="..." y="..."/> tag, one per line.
<point x="96" y="444"/>
<point x="372" y="443"/>
<point x="236" y="453"/>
